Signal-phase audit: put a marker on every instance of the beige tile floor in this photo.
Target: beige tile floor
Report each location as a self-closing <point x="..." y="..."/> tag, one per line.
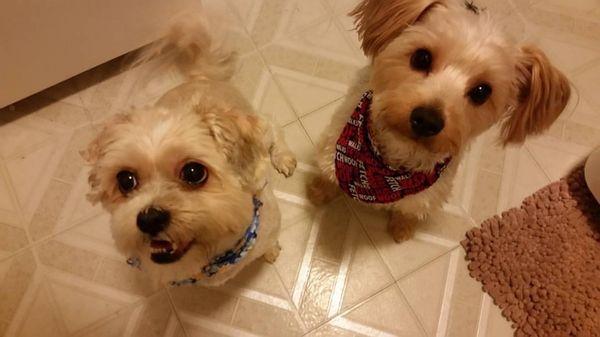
<point x="339" y="273"/>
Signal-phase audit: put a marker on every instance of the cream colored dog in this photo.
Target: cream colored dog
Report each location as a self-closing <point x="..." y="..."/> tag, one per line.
<point x="441" y="74"/>
<point x="186" y="180"/>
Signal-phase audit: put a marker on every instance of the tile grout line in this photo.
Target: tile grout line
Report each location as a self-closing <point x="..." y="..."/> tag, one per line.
<point x="490" y="171"/>
<point x="303" y="272"/>
<point x="172" y="324"/>
<point x="29" y="148"/>
<point x="327" y="260"/>
<point x="328" y="7"/>
<point x="265" y="64"/>
<point x="484" y="314"/>
<point x="62" y="181"/>
<point x="537" y="163"/>
<point x="293" y="199"/>
<point x="275" y="80"/>
<point x="337" y="296"/>
<point x="435" y="259"/>
<point x="57" y="155"/>
<point x="412" y="311"/>
<point x="53" y="303"/>
<point x="235" y="310"/>
<point x="18" y="251"/>
<point x="293" y="308"/>
<point x="335" y="17"/>
<point x="282" y="32"/>
<point x="395" y="280"/>
<point x="132" y="322"/>
<point x="5" y="176"/>
<point x="322" y="107"/>
<point x="572" y="113"/>
<point x="256" y="296"/>
<point x="52" y="236"/>
<point x="216" y="326"/>
<point x="289" y="123"/>
<point x="100" y="322"/>
<point x="98" y="268"/>
<point x="350" y="325"/>
<point x="280" y="24"/>
<point x="22" y="219"/>
<point x="582" y="69"/>
<point x="384" y="261"/>
<point x="298" y="115"/>
<point x="447" y="297"/>
<point x="175" y="312"/>
<point x="509" y="172"/>
<point x="312" y="142"/>
<point x="371" y="240"/>
<point x="55" y="159"/>
<point x="472" y="164"/>
<point x="260" y="92"/>
<point x="430" y="238"/>
<point x="353" y="307"/>
<point x="25" y="304"/>
<point x="317" y="53"/>
<point x="107" y="291"/>
<point x="41" y="269"/>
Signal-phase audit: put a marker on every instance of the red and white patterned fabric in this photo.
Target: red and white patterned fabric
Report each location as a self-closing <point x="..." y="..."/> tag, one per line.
<point x="361" y="172"/>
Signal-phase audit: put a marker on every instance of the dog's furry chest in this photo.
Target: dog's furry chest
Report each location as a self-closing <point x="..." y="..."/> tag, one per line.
<point x="267" y="237"/>
<point x="419" y="203"/>
<point x="191" y="265"/>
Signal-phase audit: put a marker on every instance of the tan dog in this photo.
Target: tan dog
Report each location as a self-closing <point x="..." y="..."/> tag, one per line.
<point x="184" y="179"/>
<point x="441" y="74"/>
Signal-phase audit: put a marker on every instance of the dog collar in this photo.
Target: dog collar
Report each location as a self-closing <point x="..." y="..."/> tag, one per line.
<point x="362" y="173"/>
<point x="226" y="259"/>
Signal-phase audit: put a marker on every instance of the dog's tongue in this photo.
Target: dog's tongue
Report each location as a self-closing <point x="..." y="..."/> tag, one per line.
<point x="162" y="244"/>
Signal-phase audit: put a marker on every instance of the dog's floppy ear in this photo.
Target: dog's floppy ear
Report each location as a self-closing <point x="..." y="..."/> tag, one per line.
<point x="543" y="92"/>
<point x="240" y="136"/>
<point x="94" y="150"/>
<point x="380" y="21"/>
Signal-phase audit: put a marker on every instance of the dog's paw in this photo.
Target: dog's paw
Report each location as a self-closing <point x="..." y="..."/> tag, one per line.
<point x="285" y="163"/>
<point x="321" y="191"/>
<point x="401" y="229"/>
<point x="272" y="254"/>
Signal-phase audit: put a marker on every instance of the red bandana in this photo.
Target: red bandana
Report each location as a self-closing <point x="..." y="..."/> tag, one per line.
<point x="361" y="172"/>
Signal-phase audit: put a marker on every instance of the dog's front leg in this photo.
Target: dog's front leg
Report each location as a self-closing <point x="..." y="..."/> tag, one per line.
<point x="401" y="226"/>
<point x="321" y="190"/>
<point x="272" y="253"/>
<point x="282" y="158"/>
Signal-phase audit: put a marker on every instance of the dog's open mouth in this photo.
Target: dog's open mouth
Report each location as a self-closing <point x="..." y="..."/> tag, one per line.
<point x="165" y="250"/>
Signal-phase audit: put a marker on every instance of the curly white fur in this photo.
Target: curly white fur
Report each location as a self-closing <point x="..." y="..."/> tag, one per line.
<point x="204" y="120"/>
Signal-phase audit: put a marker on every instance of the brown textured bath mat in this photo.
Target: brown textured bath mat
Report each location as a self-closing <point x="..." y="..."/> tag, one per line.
<point x="541" y="262"/>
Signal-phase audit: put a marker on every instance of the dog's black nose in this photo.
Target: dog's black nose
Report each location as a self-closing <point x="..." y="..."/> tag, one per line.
<point x="153" y="220"/>
<point x="426" y="121"/>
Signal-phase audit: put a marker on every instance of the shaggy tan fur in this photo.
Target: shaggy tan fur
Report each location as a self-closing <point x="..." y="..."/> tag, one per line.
<point x="467" y="49"/>
<point x="543" y="94"/>
<point x="379" y="22"/>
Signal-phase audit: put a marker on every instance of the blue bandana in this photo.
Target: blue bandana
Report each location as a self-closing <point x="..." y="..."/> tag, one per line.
<point x="228" y="258"/>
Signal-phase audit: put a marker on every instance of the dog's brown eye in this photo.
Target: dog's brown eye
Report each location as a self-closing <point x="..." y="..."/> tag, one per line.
<point x="194" y="174"/>
<point x="480" y="93"/>
<point x="421" y="60"/>
<point x="127" y="181"/>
